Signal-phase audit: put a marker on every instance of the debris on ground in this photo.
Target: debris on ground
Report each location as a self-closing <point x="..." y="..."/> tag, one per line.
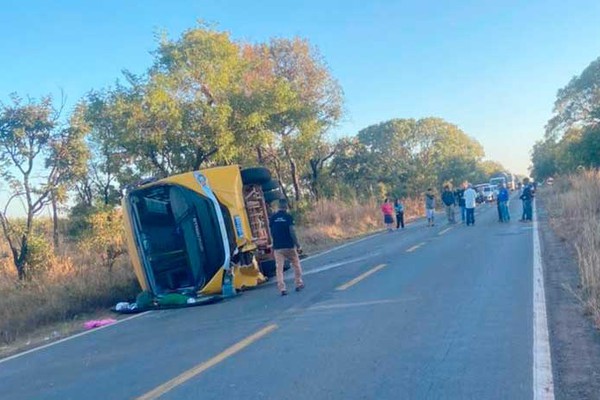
<point x="98" y="323"/>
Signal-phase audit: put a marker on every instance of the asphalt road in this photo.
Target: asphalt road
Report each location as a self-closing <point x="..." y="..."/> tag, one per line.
<point x="444" y="313"/>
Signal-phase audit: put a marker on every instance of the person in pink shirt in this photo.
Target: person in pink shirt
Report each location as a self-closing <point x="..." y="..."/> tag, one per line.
<point x="388" y="214"/>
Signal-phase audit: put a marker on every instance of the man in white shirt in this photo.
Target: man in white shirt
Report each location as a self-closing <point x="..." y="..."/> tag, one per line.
<point x="470" y="197"/>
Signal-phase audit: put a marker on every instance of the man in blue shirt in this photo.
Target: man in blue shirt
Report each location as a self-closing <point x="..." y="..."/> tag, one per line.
<point x="503" y="197"/>
<point x="285" y="246"/>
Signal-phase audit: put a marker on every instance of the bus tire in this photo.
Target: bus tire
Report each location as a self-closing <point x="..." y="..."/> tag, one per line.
<point x="255" y="176"/>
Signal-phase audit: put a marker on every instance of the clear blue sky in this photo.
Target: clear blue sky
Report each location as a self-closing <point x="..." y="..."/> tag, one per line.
<point x="492" y="67"/>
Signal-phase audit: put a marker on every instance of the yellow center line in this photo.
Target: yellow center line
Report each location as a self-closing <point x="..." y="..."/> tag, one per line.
<point x="200" y="368"/>
<point x="444" y="231"/>
<point x="416" y="246"/>
<point x="360" y="277"/>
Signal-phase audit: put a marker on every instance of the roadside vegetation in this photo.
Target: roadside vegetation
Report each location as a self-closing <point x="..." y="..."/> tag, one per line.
<point x="575" y="215"/>
<point x="206" y="100"/>
<point x="572" y="139"/>
<point x="570" y="152"/>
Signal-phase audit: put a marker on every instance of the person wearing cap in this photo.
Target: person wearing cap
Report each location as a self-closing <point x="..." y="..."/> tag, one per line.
<point x="285" y="246"/>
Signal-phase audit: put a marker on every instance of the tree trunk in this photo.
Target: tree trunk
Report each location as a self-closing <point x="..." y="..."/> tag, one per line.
<point x="295" y="182"/>
<point x="277" y="164"/>
<point x="259" y="155"/>
<point x="294" y="173"/>
<point x="314" y="176"/>
<point x="54" y="221"/>
<point x="20" y="259"/>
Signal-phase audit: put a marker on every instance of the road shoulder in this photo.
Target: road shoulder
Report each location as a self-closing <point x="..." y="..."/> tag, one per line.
<point x="574" y="341"/>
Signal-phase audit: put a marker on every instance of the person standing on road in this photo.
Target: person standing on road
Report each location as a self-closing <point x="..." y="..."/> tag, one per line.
<point x="470" y="197"/>
<point x="430" y="207"/>
<point x="503" y="198"/>
<point x="527" y="198"/>
<point x="399" y="209"/>
<point x="285" y="246"/>
<point x="449" y="201"/>
<point x="460" y="192"/>
<point x="388" y="214"/>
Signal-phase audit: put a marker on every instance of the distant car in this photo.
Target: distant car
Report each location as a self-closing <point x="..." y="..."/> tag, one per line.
<point x="485" y="193"/>
<point x="480" y="196"/>
<point x="489" y="193"/>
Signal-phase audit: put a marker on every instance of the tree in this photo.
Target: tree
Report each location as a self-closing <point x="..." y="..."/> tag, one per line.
<point x="578" y="103"/>
<point x="491" y="167"/>
<point x="445" y="152"/>
<point x="572" y="138"/>
<point x="308" y="101"/>
<point x="108" y="164"/>
<point x="178" y="116"/>
<point x="106" y="236"/>
<point x="38" y="160"/>
<point x="407" y="156"/>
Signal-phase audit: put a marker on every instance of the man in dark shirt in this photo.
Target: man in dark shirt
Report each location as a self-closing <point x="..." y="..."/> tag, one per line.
<point x="449" y="201"/>
<point x="527" y="197"/>
<point x="460" y="198"/>
<point x="285" y="246"/>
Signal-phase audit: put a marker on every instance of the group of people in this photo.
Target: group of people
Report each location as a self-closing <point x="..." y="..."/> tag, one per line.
<point x="465" y="198"/>
<point x="388" y="209"/>
<point x="287" y="247"/>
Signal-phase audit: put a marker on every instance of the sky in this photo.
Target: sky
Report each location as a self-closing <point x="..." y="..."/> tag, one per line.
<point x="491" y="67"/>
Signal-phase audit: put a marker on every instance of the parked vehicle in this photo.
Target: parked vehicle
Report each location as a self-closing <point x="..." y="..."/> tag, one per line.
<point x="504" y="177"/>
<point x="489" y="193"/>
<point x="485" y="193"/>
<point x="188" y="233"/>
<point x="479" y="189"/>
<point x="497" y="181"/>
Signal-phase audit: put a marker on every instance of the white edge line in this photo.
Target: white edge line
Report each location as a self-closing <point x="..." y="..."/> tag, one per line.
<point x="543" y="385"/>
<point x="70" y="337"/>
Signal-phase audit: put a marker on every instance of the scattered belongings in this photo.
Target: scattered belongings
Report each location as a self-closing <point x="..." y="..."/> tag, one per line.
<point x="98" y="323"/>
<point x="145" y="301"/>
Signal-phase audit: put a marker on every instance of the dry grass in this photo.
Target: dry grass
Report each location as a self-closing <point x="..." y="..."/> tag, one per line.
<point x="330" y="221"/>
<point x="574" y="204"/>
<point x="71" y="286"/>
<point x="76" y="284"/>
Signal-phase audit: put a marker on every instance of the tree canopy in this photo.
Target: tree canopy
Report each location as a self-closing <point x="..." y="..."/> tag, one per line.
<point x="572" y="138"/>
<point x="407" y="156"/>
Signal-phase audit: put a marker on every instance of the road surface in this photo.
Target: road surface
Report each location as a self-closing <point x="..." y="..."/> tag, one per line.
<point x="424" y="313"/>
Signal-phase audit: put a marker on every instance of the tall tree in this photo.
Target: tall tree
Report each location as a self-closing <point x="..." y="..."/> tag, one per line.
<point x="309" y="101"/>
<point x="38" y="159"/>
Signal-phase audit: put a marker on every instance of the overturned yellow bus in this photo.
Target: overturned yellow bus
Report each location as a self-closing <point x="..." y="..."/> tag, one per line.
<point x="188" y="233"/>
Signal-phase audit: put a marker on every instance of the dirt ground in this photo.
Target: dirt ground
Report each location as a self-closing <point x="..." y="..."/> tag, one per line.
<point x="574" y="340"/>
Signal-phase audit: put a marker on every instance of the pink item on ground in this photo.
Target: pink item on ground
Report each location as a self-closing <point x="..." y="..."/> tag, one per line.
<point x="98" y="323"/>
